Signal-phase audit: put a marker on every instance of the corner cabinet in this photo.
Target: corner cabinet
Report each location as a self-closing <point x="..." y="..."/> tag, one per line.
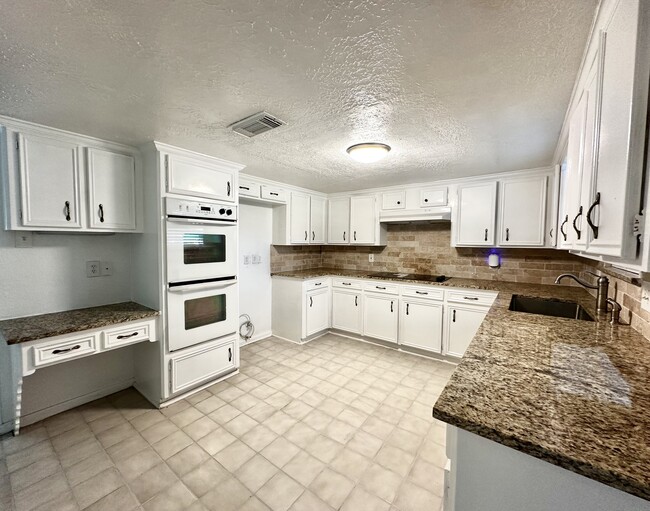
<point x="63" y="182"/>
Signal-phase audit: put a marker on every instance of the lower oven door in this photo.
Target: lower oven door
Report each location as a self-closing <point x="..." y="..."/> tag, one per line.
<point x="198" y="313"/>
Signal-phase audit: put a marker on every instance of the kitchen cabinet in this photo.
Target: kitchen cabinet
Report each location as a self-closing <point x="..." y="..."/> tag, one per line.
<point x="347" y="312"/>
<point x="434" y="196"/>
<point x="522" y="211"/>
<point x="49" y="182"/>
<point x="299" y="217"/>
<point x="380" y="316"/>
<point x="476" y="214"/>
<point x="462" y="324"/>
<point x="420" y="324"/>
<point x="363" y="219"/>
<point x="317" y="219"/>
<point x="249" y="188"/>
<point x="338" y="225"/>
<point x="300" y="309"/>
<point x="197" y="176"/>
<point x="393" y="200"/>
<point x="273" y="193"/>
<point x="318" y="311"/>
<point x="111" y="186"/>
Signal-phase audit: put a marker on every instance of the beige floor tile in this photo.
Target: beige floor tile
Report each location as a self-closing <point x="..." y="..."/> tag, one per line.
<point x="116" y="435"/>
<point x="88" y="468"/>
<point x="29" y="455"/>
<point x="279" y="422"/>
<point x="119" y="500"/>
<point x="229" y="495"/>
<point x="428" y="476"/>
<point x="31" y="474"/>
<point x="198" y="429"/>
<point x="309" y="502"/>
<point x="414" y="498"/>
<point x="186" y="417"/>
<point x="224" y="414"/>
<point x="138" y="464"/>
<point x="340" y="431"/>
<point x="198" y="397"/>
<point x="62" y="502"/>
<point x="159" y="431"/>
<point x="230" y="394"/>
<point x="63" y="422"/>
<point x="280" y="451"/>
<point x="317" y="420"/>
<point x="127" y="448"/>
<point x="414" y="424"/>
<point x="365" y="444"/>
<point x="304" y="468"/>
<point x="175" y="498"/>
<point x="175" y="408"/>
<point x="172" y="444"/>
<point x="40" y="494"/>
<point x="361" y="500"/>
<point x="377" y="427"/>
<point x="245" y="402"/>
<point x="433" y="453"/>
<point x="261" y="411"/>
<point x="405" y="440"/>
<point x="351" y="464"/>
<point x="254" y="504"/>
<point x="381" y="482"/>
<point x="301" y="434"/>
<point x="234" y="456"/>
<point x="205" y="477"/>
<point x="97" y="487"/>
<point x="297" y="409"/>
<point x="240" y="425"/>
<point x="209" y="405"/>
<point x="79" y="452"/>
<point x="280" y="492"/>
<point x="323" y="448"/>
<point x="112" y="420"/>
<point x="332" y="487"/>
<point x="148" y="419"/>
<point x="216" y="441"/>
<point x="395" y="459"/>
<point x="152" y="482"/>
<point x="187" y="459"/>
<point x="259" y="437"/>
<point x="256" y="472"/>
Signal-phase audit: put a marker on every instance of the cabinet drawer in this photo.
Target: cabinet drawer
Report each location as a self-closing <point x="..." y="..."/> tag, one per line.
<point x="124" y="334"/>
<point x="191" y="369"/>
<point x="249" y="188"/>
<point x="430" y="197"/>
<point x="346" y="283"/>
<point x="471" y="297"/>
<point x="381" y="287"/>
<point x="64" y="350"/>
<point x="393" y="200"/>
<point x="316" y="284"/>
<point x="429" y="293"/>
<point x="272" y="193"/>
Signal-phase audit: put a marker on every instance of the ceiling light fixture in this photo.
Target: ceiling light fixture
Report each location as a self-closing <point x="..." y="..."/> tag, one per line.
<point x="368" y="152"/>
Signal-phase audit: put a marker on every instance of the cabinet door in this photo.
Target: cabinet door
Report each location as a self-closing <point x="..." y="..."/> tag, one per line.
<point x="317" y="219"/>
<point x="299" y="211"/>
<point x="248" y="188"/>
<point x="338" y="226"/>
<point x="393" y="200"/>
<point x="523" y="211"/>
<point x="430" y="197"/>
<point x="363" y="219"/>
<point x="49" y="173"/>
<point x="462" y="325"/>
<point x="318" y="311"/>
<point x="420" y="325"/>
<point x="196" y="178"/>
<point x="111" y="186"/>
<point x="476" y="214"/>
<point x="346" y="311"/>
<point x="380" y="317"/>
<point x="619" y="163"/>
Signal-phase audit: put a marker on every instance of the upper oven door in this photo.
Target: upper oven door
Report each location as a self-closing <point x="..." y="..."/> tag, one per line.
<point x="198" y="250"/>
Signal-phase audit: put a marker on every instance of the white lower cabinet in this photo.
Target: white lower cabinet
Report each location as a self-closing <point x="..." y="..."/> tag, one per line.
<point x="462" y="324"/>
<point x="347" y="311"/>
<point x="318" y="311"/>
<point x="420" y="324"/>
<point x="380" y="316"/>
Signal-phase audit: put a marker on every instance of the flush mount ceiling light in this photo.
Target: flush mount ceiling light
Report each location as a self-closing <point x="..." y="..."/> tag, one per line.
<point x="368" y="152"/>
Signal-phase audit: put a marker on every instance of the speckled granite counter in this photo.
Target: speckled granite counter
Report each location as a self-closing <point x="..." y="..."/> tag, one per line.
<point x="31" y="328"/>
<point x="573" y="393"/>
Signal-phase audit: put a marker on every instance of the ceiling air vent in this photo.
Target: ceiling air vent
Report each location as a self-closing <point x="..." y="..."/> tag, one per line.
<point x="256" y="124"/>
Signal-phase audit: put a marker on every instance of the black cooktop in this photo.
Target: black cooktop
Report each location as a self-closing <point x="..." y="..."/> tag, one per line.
<point x="408" y="276"/>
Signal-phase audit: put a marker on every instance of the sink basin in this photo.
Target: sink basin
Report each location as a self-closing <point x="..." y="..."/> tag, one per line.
<point x="549" y="307"/>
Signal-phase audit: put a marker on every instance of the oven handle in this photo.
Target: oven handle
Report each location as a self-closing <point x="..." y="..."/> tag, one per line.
<point x="200" y="221"/>
<point x="202" y="286"/>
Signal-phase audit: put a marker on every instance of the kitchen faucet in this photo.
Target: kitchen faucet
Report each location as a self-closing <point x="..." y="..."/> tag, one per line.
<point x="602" y="287"/>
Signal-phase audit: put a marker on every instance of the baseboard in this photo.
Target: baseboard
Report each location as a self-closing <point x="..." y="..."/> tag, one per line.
<point x="255" y="338"/>
<point x="39" y="415"/>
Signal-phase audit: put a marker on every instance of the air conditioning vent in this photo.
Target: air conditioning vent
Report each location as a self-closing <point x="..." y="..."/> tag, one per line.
<point x="256" y="124"/>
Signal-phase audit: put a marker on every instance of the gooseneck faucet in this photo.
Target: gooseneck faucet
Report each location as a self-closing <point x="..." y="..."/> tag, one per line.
<point x="602" y="286"/>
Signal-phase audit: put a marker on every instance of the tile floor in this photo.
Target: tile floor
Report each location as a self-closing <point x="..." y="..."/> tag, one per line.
<point x="333" y="424"/>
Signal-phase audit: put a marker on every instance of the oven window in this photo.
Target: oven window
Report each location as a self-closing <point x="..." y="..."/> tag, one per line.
<point x="204" y="248"/>
<point x="204" y="311"/>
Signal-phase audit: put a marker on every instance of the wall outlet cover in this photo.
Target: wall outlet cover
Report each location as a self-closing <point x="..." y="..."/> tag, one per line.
<point x="106" y="268"/>
<point x="24" y="239"/>
<point x="257" y="259"/>
<point x="93" y="269"/>
<point x="371" y="258"/>
<point x="247" y="259"/>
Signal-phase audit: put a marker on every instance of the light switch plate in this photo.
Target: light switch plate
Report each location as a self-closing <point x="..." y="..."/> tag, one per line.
<point x="24" y="239"/>
<point x="645" y="296"/>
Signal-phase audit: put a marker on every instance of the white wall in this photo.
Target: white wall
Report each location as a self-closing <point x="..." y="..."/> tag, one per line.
<point x="255" y="233"/>
<point x="51" y="275"/>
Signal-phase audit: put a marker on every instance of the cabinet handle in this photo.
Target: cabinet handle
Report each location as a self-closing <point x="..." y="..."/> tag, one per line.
<point x="575" y="227"/>
<point x="356" y="301"/>
<point x="101" y="213"/>
<point x="229" y="354"/>
<point x="66" y="209"/>
<point x="346" y="283"/>
<point x="244" y="188"/>
<point x="273" y="193"/>
<point x="550" y="233"/>
<point x="486" y="234"/>
<point x="355" y="235"/>
<point x="507" y="234"/>
<point x="407" y="309"/>
<point x="228" y="189"/>
<point x="566" y="219"/>
<point x="422" y="292"/>
<point x="379" y="287"/>
<point x="391" y="305"/>
<point x="343" y="235"/>
<point x="453" y="316"/>
<point x="318" y="284"/>
<point x="313" y="235"/>
<point x="127" y="336"/>
<point x="311" y="301"/>
<point x="594" y="228"/>
<point x="305" y="235"/>
<point x="470" y="298"/>
<point x="66" y="350"/>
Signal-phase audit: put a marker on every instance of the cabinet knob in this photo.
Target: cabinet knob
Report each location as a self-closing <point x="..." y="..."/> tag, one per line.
<point x="426" y="200"/>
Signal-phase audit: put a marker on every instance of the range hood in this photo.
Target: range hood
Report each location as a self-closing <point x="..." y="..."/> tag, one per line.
<point x="437" y="214"/>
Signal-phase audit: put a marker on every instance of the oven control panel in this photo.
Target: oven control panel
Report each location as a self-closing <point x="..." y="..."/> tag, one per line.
<point x="200" y="209"/>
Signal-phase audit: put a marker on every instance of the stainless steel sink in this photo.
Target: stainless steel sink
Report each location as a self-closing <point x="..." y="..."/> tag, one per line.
<point x="549" y="307"/>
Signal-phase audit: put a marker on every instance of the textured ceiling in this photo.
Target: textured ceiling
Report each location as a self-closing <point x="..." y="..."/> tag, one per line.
<point x="457" y="88"/>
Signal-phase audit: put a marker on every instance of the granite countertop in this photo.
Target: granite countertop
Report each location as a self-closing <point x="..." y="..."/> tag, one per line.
<point x="573" y="393"/>
<point x="31" y="328"/>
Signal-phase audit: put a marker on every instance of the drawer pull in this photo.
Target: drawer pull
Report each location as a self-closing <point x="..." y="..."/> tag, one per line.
<point x="486" y="232"/>
<point x="356" y="301"/>
<point x="346" y="283"/>
<point x="379" y="287"/>
<point x="244" y="188"/>
<point x="470" y="298"/>
<point x="343" y="235"/>
<point x="127" y="336"/>
<point x="391" y="305"/>
<point x="318" y="284"/>
<point x="422" y="292"/>
<point x="66" y="350"/>
<point x="453" y="319"/>
<point x="407" y="309"/>
<point x="229" y="354"/>
<point x="273" y="193"/>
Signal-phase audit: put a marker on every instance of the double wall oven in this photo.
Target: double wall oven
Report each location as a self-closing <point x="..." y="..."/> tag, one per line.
<point x="201" y="240"/>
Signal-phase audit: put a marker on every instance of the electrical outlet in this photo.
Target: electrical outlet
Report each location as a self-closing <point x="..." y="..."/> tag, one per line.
<point x="92" y="269"/>
<point x="371" y="258"/>
<point x="247" y="259"/>
<point x="257" y="259"/>
<point x="24" y="239"/>
<point x="106" y="269"/>
<point x="645" y="296"/>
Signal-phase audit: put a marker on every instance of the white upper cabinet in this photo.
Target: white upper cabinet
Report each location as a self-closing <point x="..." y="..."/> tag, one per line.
<point x="49" y="182"/>
<point x="318" y="219"/>
<point x="434" y="196"/>
<point x="200" y="177"/>
<point x="522" y="211"/>
<point x="249" y="188"/>
<point x="476" y="214"/>
<point x="299" y="220"/>
<point x="111" y="186"/>
<point x="363" y="219"/>
<point x="393" y="200"/>
<point x="338" y="225"/>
